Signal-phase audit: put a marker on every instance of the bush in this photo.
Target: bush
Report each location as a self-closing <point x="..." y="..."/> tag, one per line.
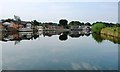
<point x="96" y="28"/>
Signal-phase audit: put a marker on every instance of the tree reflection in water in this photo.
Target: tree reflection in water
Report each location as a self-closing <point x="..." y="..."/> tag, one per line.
<point x="100" y="37"/>
<point x="97" y="37"/>
<point x="63" y="36"/>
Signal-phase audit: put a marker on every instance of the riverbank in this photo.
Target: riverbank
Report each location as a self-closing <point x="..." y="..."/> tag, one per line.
<point x="111" y="31"/>
<point x="114" y="39"/>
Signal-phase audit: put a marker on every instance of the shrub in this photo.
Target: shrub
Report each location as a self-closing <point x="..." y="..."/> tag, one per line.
<point x="96" y="28"/>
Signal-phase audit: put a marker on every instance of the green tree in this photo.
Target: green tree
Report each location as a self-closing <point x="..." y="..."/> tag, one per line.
<point x="63" y="22"/>
<point x="96" y="28"/>
<point x="117" y="24"/>
<point x="88" y="24"/>
<point x="36" y="23"/>
<point x="74" y="23"/>
<point x="8" y="20"/>
<point x="81" y="24"/>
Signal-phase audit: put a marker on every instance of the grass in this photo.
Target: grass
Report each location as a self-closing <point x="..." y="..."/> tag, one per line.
<point x="113" y="31"/>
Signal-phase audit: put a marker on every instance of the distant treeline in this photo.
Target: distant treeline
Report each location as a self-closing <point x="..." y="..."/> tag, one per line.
<point x="64" y="22"/>
<point x="108" y="24"/>
<point x="96" y="27"/>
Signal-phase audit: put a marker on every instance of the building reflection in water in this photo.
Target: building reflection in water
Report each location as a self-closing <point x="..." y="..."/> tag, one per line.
<point x="18" y="36"/>
<point x="63" y="36"/>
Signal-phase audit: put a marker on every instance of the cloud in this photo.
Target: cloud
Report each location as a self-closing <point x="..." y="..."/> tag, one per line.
<point x="83" y="66"/>
<point x="76" y="66"/>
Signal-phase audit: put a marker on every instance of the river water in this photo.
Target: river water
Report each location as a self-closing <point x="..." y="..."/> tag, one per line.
<point x="50" y="53"/>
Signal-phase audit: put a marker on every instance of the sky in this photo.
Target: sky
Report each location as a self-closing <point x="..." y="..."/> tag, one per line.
<point x="54" y="10"/>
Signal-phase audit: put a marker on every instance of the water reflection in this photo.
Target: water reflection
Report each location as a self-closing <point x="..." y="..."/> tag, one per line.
<point x="75" y="50"/>
<point x="97" y="37"/>
<point x="63" y="36"/>
<point x="100" y="37"/>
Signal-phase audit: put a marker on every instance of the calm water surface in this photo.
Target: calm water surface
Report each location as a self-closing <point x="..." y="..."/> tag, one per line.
<point x="49" y="53"/>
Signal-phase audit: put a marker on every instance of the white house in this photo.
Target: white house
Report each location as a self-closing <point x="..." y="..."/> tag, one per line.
<point x="40" y="28"/>
<point x="8" y="24"/>
<point x="29" y="25"/>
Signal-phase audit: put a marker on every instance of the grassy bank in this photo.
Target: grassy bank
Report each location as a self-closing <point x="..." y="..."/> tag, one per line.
<point x="103" y="31"/>
<point x="111" y="31"/>
<point x="110" y="38"/>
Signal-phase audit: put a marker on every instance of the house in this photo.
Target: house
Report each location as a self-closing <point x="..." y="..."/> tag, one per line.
<point x="29" y="25"/>
<point x="10" y="36"/>
<point x="25" y="26"/>
<point x="74" y="26"/>
<point x="50" y="26"/>
<point x="74" y="34"/>
<point x="26" y="35"/>
<point x="14" y="25"/>
<point x="1" y="26"/>
<point x="16" y="36"/>
<point x="39" y="28"/>
<point x="11" y="25"/>
<point x="50" y="33"/>
<point x="6" y="24"/>
<point x="17" y="25"/>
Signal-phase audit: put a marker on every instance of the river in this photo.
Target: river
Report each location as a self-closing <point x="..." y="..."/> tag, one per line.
<point x="76" y="52"/>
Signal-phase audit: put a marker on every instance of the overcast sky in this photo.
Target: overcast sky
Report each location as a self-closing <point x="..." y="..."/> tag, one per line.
<point x="46" y="11"/>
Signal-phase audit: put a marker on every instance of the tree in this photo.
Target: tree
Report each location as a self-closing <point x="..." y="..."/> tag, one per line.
<point x="7" y="20"/>
<point x="35" y="36"/>
<point x="96" y="28"/>
<point x="74" y="23"/>
<point x="81" y="24"/>
<point x="97" y="37"/>
<point x="88" y="34"/>
<point x="63" y="37"/>
<point x="63" y="22"/>
<point x="75" y="35"/>
<point x="88" y="24"/>
<point x="36" y="23"/>
<point x="117" y="25"/>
